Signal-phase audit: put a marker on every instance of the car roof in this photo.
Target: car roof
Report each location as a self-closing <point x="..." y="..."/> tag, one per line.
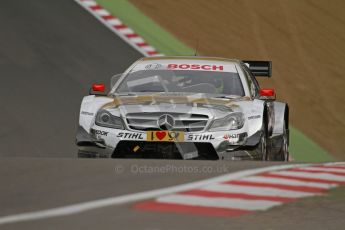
<point x="188" y="63"/>
<point x="189" y="58"/>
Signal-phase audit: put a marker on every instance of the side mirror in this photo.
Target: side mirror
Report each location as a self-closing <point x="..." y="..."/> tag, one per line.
<point x="97" y="89"/>
<point x="267" y="94"/>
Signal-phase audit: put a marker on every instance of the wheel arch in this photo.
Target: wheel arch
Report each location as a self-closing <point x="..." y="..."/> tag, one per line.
<point x="281" y="117"/>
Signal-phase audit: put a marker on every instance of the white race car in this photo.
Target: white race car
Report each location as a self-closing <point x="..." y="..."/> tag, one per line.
<point x="185" y="108"/>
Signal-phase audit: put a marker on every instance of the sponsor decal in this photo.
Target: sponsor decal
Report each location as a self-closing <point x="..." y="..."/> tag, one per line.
<point x="196" y="67"/>
<point x="200" y="137"/>
<point x="168" y="136"/>
<point x="135" y="136"/>
<point x="86" y="113"/>
<point x="159" y="135"/>
<point x="153" y="66"/>
<point x="254" y="117"/>
<point x="231" y="136"/>
<point x="99" y="132"/>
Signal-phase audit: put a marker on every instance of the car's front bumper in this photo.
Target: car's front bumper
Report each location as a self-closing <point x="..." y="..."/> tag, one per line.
<point x="114" y="143"/>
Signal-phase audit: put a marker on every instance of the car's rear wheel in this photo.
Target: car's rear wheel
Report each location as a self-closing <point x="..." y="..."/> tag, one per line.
<point x="263" y="146"/>
<point x="284" y="151"/>
<point x="261" y="149"/>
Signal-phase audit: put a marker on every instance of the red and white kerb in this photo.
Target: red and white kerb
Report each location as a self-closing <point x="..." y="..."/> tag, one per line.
<point x="119" y="28"/>
<point x="252" y="193"/>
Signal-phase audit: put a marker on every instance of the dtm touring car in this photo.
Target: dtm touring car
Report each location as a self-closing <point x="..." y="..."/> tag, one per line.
<point x="185" y="108"/>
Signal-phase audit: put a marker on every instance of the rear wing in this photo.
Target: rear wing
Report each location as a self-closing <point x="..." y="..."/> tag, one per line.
<point x="260" y="68"/>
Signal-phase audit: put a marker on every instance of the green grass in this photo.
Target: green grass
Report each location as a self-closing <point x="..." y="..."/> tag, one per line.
<point x="338" y="193"/>
<point x="147" y="28"/>
<point x="301" y="147"/>
<point x="304" y="149"/>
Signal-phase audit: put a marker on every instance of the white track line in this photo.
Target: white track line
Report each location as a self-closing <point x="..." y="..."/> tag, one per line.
<point x="90" y="3"/>
<point x="115" y="22"/>
<point x="102" y="12"/>
<point x="339" y="170"/>
<point x="213" y="202"/>
<point x="101" y="203"/>
<point x="313" y="175"/>
<point x="283" y="181"/>
<point x="341" y="163"/>
<point x="252" y="190"/>
<point x="106" y="202"/>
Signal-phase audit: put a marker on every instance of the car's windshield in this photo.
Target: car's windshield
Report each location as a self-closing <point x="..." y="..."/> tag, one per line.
<point x="181" y="81"/>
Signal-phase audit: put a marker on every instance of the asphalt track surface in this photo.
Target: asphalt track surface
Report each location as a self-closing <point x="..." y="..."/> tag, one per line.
<point x="50" y="53"/>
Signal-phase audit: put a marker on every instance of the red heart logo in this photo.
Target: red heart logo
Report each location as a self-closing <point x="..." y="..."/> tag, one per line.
<point x="161" y="135"/>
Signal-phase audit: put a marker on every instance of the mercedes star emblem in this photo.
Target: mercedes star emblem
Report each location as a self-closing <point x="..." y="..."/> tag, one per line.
<point x="166" y="122"/>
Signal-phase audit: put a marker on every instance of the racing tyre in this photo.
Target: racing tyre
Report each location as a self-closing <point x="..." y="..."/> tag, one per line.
<point x="284" y="150"/>
<point x="263" y="146"/>
<point x="261" y="149"/>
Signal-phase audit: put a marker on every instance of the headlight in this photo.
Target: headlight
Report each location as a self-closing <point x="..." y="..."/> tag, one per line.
<point x="105" y="119"/>
<point x="233" y="121"/>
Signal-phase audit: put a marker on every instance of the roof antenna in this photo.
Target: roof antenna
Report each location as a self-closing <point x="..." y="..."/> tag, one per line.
<point x="197" y="48"/>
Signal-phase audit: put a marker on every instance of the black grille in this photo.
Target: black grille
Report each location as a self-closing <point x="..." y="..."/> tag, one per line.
<point x="183" y="122"/>
<point x="162" y="150"/>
